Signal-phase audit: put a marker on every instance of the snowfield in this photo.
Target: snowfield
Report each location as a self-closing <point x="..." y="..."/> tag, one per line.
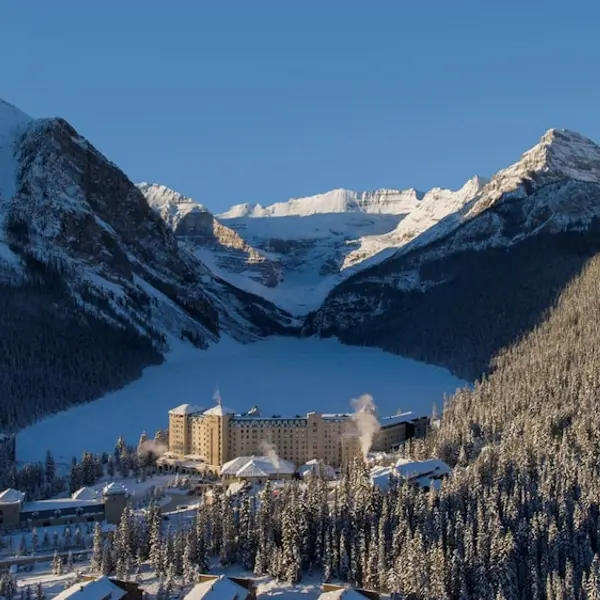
<point x="284" y="376"/>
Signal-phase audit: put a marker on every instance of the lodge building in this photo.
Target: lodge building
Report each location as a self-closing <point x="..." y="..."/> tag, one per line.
<point x="218" y="435"/>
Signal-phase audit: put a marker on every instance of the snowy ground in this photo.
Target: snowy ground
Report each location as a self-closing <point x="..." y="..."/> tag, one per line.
<point x="281" y="375"/>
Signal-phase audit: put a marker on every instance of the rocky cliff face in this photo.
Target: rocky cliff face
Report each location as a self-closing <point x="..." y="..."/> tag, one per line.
<point x="481" y="277"/>
<point x="208" y="238"/>
<point x="94" y="283"/>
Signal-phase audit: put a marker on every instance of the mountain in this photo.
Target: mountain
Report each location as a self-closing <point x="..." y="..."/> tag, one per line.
<point x="218" y="246"/>
<point x="321" y="240"/>
<point x="390" y="202"/>
<point x="484" y="275"/>
<point x="94" y="284"/>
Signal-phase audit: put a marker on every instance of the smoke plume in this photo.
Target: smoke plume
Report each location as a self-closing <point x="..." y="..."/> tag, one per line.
<point x="366" y="422"/>
<point x="269" y="450"/>
<point x="153" y="447"/>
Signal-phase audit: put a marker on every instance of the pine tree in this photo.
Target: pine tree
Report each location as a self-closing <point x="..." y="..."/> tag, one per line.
<point x="123" y="544"/>
<point x="69" y="563"/>
<point x="228" y="550"/>
<point x="291" y="563"/>
<point x="57" y="564"/>
<point x="97" y="550"/>
<point x="246" y="542"/>
<point x="107" y="560"/>
<point x="154" y="538"/>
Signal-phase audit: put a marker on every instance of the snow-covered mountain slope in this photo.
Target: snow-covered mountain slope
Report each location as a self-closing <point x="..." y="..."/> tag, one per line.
<point x="321" y="240"/>
<point x="480" y="277"/>
<point x="92" y="277"/>
<point x="194" y="225"/>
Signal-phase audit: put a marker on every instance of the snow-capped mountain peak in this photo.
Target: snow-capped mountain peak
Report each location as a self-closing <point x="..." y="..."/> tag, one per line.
<point x="382" y="201"/>
<point x="11" y="118"/>
<point x="560" y="154"/>
<point x="171" y="205"/>
<point x="12" y="123"/>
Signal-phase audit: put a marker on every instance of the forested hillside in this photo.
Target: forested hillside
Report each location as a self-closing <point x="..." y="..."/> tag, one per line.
<point x="519" y="518"/>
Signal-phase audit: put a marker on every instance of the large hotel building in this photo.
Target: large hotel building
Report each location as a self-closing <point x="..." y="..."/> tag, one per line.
<point x="218" y="435"/>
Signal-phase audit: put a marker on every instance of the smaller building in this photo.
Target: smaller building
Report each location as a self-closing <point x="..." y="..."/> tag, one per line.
<point x="424" y="473"/>
<point x="339" y="592"/>
<point x="101" y="588"/>
<point x="213" y="587"/>
<point x="86" y="504"/>
<point x="317" y="468"/>
<point x="10" y="508"/>
<point x="257" y="469"/>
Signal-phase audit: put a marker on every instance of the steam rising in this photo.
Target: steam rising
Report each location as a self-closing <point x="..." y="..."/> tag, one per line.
<point x="269" y="450"/>
<point x="217" y="397"/>
<point x="366" y="422"/>
<point x="152" y="447"/>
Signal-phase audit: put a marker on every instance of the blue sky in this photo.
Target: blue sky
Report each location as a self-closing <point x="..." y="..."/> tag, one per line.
<point x="233" y="102"/>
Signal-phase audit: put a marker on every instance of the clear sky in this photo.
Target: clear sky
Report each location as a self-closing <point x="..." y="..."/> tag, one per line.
<point x="259" y="101"/>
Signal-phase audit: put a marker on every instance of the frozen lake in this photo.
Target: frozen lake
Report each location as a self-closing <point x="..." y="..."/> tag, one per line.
<point x="281" y="375"/>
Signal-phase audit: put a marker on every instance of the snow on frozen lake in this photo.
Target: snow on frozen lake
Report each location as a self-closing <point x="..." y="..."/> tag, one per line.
<point x="284" y="376"/>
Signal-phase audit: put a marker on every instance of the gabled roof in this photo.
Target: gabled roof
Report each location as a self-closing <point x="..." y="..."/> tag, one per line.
<point x="186" y="409"/>
<point x="96" y="589"/>
<point x="257" y="466"/>
<point x="316" y="467"/>
<point x="114" y="488"/>
<point x="10" y="496"/>
<point x="86" y="493"/>
<point x="347" y="593"/>
<point x="421" y="472"/>
<point x="220" y="588"/>
<point x="219" y="411"/>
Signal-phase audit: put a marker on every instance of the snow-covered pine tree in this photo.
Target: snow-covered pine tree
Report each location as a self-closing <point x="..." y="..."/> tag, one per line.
<point x="246" y="541"/>
<point x="69" y="563"/>
<point x="57" y="564"/>
<point x="107" y="565"/>
<point x="264" y="530"/>
<point x="201" y="550"/>
<point x="154" y="538"/>
<point x="39" y="591"/>
<point x="97" y="549"/>
<point x="189" y="566"/>
<point x="228" y="532"/>
<point x="49" y="468"/>
<point x="291" y="562"/>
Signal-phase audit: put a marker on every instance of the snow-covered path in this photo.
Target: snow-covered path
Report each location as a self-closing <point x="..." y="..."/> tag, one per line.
<point x="281" y="375"/>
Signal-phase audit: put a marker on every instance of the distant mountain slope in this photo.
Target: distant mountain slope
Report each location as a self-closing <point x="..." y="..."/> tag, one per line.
<point x="480" y="278"/>
<point x="94" y="283"/>
<point x="293" y="253"/>
<point x="209" y="239"/>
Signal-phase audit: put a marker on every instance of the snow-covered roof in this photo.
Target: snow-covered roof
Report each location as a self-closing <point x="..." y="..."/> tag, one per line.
<point x="10" y="496"/>
<point x="316" y="467"/>
<point x="219" y="410"/>
<point x="97" y="589"/>
<point x="257" y="466"/>
<point x="186" y="409"/>
<point x="422" y="472"/>
<point x="220" y="588"/>
<point x="62" y="504"/>
<point x="114" y="488"/>
<point x="395" y="419"/>
<point x="347" y="593"/>
<point x="416" y="468"/>
<point x="87" y="493"/>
